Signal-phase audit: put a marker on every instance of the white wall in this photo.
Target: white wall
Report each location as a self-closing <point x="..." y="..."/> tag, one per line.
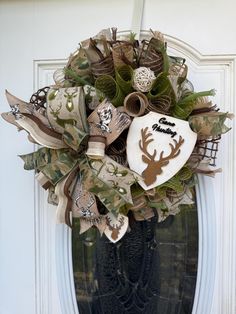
<point x="207" y="25"/>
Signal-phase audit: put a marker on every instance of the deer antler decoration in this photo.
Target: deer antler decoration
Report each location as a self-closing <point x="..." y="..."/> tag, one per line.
<point x="154" y="167"/>
<point x="55" y="112"/>
<point x="69" y="97"/>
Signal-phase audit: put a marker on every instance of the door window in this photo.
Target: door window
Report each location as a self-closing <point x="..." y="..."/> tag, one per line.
<point x="152" y="269"/>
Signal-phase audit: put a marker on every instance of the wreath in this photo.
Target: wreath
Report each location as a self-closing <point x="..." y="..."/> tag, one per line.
<point x="121" y="133"/>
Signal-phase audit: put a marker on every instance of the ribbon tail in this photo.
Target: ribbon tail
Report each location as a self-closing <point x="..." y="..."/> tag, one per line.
<point x="40" y="133"/>
<point x="62" y="191"/>
<point x="55" y="164"/>
<point x="22" y="107"/>
<point x="43" y="180"/>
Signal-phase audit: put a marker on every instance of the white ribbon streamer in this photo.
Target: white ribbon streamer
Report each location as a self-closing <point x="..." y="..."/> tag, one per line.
<point x="137" y="17"/>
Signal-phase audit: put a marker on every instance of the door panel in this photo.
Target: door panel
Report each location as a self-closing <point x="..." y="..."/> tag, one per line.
<point x="152" y="270"/>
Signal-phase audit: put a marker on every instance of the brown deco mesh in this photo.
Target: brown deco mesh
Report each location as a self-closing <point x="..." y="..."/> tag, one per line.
<point x="117" y="151"/>
<point x="103" y="67"/>
<point x="161" y="105"/>
<point x="39" y="98"/>
<point x="175" y="196"/>
<point x="208" y="148"/>
<point x="150" y="58"/>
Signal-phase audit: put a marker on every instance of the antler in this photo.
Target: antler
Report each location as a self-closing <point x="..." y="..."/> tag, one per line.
<point x="109" y="223"/>
<point x="175" y="151"/>
<point x="68" y="94"/>
<point x="56" y="111"/>
<point x="144" y="142"/>
<point x="121" y="221"/>
<point x="90" y="201"/>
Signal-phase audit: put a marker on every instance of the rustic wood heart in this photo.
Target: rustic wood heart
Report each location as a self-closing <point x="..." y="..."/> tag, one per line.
<point x="158" y="146"/>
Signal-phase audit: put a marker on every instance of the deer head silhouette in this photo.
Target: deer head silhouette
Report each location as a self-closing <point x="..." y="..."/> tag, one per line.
<point x="115" y="228"/>
<point x="69" y="99"/>
<point x="62" y="122"/>
<point x="154" y="167"/>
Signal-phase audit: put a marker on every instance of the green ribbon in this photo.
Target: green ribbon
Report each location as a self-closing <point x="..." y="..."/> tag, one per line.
<point x="124" y="78"/>
<point x="185" y="106"/>
<point x="176" y="182"/>
<point x="110" y="89"/>
<point x="160" y="87"/>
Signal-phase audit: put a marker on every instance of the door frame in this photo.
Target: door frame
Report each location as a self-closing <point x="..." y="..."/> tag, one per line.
<point x="215" y="288"/>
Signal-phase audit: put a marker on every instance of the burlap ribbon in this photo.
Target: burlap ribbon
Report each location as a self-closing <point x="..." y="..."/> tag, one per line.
<point x="135" y="104"/>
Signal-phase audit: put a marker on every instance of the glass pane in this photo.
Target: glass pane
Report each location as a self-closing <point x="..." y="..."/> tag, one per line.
<point x="151" y="270"/>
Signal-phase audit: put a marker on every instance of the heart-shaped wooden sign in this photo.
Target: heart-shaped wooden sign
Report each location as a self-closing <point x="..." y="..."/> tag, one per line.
<point x="158" y="146"/>
<point x="116" y="227"/>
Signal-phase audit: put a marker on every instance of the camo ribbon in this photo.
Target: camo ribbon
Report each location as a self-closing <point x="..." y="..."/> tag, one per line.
<point x="171" y="206"/>
<point x="210" y="124"/>
<point x="109" y="181"/>
<point x="73" y="137"/>
<point x="55" y="164"/>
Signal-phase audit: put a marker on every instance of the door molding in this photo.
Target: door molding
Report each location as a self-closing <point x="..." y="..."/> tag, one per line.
<point x="215" y="289"/>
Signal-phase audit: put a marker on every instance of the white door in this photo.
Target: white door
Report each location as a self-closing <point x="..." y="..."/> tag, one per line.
<point x="35" y="38"/>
